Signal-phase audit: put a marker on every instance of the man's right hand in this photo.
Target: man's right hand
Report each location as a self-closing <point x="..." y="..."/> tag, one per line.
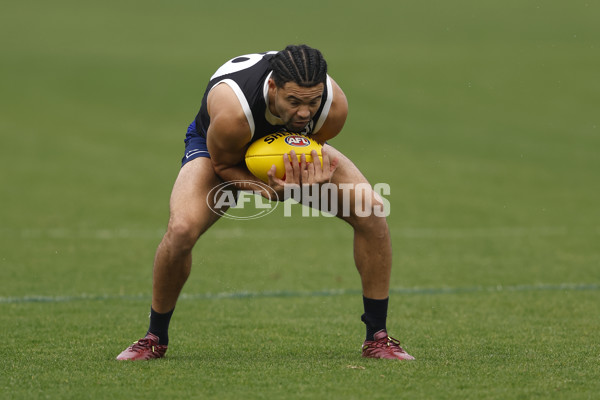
<point x="303" y="172"/>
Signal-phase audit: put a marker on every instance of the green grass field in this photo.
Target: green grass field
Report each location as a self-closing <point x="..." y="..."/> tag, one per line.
<point x="482" y="116"/>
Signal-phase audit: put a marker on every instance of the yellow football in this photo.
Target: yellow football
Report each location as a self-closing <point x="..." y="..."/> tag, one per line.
<point x="269" y="151"/>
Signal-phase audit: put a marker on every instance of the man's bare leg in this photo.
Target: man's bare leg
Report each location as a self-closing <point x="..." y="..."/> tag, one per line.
<point x="190" y="217"/>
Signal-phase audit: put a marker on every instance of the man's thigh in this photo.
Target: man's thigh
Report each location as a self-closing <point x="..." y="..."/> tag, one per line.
<point x="190" y="205"/>
<point x="354" y="193"/>
<point x="347" y="171"/>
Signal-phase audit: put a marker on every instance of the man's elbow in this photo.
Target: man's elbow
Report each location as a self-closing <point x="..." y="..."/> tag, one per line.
<point x="220" y="168"/>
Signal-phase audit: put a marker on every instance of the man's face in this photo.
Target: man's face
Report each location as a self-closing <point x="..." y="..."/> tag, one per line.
<point x="294" y="104"/>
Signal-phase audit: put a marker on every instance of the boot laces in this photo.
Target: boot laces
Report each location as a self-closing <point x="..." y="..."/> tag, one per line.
<point x="142" y="344"/>
<point x="389" y="342"/>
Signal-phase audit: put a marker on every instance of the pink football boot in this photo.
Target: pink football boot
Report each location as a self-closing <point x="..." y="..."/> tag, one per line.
<point x="384" y="346"/>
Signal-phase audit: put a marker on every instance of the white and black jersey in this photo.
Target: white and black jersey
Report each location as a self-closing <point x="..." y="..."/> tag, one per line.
<point x="247" y="76"/>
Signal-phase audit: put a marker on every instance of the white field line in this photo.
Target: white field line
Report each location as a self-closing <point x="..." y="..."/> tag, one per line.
<point x="321" y="293"/>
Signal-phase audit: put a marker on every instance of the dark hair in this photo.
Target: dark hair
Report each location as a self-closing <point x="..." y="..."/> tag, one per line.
<point x="300" y="64"/>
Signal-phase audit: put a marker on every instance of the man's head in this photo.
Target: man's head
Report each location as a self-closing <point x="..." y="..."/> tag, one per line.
<point x="300" y="64"/>
<point x="296" y="85"/>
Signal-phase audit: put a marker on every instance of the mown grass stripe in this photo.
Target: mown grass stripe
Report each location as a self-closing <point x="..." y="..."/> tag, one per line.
<point x="320" y="293"/>
<point x="413" y="233"/>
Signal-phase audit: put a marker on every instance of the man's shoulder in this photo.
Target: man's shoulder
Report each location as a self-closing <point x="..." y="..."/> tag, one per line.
<point x="225" y="110"/>
<point x="223" y="100"/>
<point x="336" y="116"/>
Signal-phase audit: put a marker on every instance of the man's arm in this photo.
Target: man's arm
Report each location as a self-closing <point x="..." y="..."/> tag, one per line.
<point x="228" y="136"/>
<point x="337" y="115"/>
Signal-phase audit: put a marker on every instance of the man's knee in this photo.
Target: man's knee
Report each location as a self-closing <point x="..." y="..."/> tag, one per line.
<point x="368" y="213"/>
<point x="375" y="226"/>
<point x="182" y="235"/>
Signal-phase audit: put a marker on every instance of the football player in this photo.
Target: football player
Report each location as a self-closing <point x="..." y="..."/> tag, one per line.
<point x="247" y="98"/>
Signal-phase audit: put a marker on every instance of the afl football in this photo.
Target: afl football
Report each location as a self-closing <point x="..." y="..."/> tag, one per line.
<point x="269" y="151"/>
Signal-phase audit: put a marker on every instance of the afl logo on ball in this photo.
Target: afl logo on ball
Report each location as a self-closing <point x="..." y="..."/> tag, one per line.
<point x="297" y="141"/>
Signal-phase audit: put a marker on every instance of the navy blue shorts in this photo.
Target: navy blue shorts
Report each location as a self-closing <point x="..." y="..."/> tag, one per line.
<point x="195" y="145"/>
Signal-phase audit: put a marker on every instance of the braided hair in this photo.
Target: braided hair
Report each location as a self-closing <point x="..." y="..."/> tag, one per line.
<point x="300" y="64"/>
